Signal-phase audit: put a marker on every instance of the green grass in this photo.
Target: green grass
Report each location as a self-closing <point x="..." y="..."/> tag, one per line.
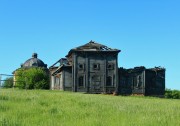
<point x="57" y="108"/>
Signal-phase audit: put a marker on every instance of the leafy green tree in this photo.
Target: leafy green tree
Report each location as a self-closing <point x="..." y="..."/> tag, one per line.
<point x="174" y="94"/>
<point x="33" y="78"/>
<point x="20" y="78"/>
<point x="8" y="83"/>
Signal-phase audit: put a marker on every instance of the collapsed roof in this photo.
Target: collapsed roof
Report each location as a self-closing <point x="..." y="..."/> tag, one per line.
<point x="93" y="46"/>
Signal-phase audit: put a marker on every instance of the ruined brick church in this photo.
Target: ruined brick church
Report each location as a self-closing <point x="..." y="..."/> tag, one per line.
<point x="93" y="68"/>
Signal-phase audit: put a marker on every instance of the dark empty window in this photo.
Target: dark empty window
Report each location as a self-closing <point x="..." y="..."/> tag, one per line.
<point x="81" y="81"/>
<point x="109" y="81"/>
<point x="96" y="66"/>
<point x="81" y="66"/>
<point x="110" y="66"/>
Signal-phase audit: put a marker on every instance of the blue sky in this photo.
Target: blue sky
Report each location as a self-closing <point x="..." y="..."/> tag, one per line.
<point x="147" y="31"/>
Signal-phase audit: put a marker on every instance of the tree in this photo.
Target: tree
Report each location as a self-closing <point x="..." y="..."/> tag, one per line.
<point x="174" y="94"/>
<point x="8" y="83"/>
<point x="32" y="78"/>
<point x="20" y="78"/>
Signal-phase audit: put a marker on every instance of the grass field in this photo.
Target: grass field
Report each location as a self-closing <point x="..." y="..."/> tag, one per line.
<point x="51" y="108"/>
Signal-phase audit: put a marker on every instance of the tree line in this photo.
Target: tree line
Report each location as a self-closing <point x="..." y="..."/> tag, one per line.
<point x="173" y="94"/>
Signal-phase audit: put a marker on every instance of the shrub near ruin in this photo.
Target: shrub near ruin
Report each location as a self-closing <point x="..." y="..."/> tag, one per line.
<point x="33" y="78"/>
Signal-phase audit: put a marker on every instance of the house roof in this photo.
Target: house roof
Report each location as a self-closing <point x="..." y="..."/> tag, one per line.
<point x="93" y="46"/>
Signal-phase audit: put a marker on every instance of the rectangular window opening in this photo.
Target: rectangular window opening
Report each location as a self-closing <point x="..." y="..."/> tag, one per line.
<point x="96" y="66"/>
<point x="110" y="66"/>
<point x="81" y="81"/>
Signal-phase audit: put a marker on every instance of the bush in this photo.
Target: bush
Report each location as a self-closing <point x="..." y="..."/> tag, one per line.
<point x="8" y="82"/>
<point x="174" y="94"/>
<point x="33" y="78"/>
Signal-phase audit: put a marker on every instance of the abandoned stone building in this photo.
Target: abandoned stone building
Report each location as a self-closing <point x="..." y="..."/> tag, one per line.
<point x="93" y="68"/>
<point x="140" y="80"/>
<point x="89" y="68"/>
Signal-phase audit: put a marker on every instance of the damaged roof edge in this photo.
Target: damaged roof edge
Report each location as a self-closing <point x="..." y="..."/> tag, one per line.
<point x="59" y="69"/>
<point x="92" y="46"/>
<point x="54" y="64"/>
